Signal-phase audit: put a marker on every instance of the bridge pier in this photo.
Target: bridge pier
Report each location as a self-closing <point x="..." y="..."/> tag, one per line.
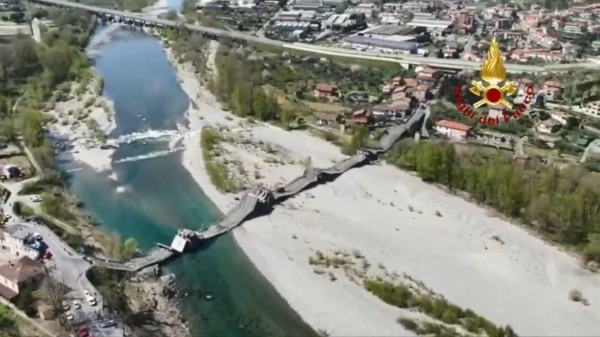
<point x="182" y="240"/>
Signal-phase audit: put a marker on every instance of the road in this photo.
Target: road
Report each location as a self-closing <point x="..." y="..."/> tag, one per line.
<point x="396" y="58"/>
<point x="471" y="40"/>
<point x="66" y="266"/>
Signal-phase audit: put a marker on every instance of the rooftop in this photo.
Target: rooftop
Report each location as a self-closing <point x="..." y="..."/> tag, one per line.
<point x="17" y="231"/>
<point x="430" y="23"/>
<point x="19" y="271"/>
<point x="381" y="43"/>
<point x="453" y="125"/>
<point x="388" y="30"/>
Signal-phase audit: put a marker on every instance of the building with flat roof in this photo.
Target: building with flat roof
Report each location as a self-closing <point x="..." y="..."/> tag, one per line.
<point x="381" y="44"/>
<point x="388" y="30"/>
<point x="430" y="24"/>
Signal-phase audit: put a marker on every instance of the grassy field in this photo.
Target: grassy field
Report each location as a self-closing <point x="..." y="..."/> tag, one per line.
<point x="324" y="107"/>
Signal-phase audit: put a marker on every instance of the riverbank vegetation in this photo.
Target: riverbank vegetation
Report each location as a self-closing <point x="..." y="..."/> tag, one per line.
<point x="216" y="169"/>
<point x="437" y="308"/>
<point x="427" y="313"/>
<point x="561" y="205"/>
<point x="186" y="48"/>
<point x="35" y="77"/>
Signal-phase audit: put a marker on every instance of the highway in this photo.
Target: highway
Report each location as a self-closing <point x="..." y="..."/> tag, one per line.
<point x="384" y="57"/>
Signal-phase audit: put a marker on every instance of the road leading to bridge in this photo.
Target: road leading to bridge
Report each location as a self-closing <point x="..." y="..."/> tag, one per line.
<point x="395" y="58"/>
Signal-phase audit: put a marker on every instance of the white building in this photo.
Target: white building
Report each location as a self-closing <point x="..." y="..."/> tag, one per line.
<point x="430" y="24"/>
<point x="591" y="109"/>
<point x="20" y="242"/>
<point x="453" y="130"/>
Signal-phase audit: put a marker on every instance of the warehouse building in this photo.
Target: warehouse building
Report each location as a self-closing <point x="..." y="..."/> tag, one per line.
<point x="430" y="24"/>
<point x="380" y="44"/>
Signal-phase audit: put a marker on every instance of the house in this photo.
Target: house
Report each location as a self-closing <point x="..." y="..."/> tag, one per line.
<point x="560" y="116"/>
<point x="592" y="109"/>
<point x="20" y="242"/>
<point x="325" y="119"/>
<point x="397" y="109"/>
<point x="552" y="90"/>
<point x="496" y="111"/>
<point x="453" y="130"/>
<point x="323" y="90"/>
<point x="422" y="92"/>
<point x="548" y="126"/>
<point x="15" y="275"/>
<point x="361" y="117"/>
<point x="427" y="73"/>
<point x="411" y="83"/>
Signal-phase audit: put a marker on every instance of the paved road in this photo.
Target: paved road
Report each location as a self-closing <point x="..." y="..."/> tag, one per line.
<point x="478" y="32"/>
<point x="408" y="59"/>
<point x="66" y="266"/>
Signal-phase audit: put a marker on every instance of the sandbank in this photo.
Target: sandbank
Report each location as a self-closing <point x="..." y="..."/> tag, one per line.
<point x="400" y="224"/>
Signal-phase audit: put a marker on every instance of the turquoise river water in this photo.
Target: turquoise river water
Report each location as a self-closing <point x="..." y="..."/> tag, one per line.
<point x="160" y="197"/>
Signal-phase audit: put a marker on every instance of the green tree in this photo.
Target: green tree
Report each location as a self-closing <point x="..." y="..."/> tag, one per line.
<point x="32" y="128"/>
<point x="52" y="293"/>
<point x="359" y="139"/>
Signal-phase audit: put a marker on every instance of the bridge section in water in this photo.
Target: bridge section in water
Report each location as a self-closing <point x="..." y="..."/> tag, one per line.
<point x="260" y="201"/>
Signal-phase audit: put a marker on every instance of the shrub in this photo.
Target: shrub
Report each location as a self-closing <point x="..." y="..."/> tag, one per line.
<point x="449" y="317"/>
<point x="575" y="295"/>
<point x="408" y="323"/>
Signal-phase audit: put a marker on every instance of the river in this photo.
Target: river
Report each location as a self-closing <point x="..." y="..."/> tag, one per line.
<point x="150" y="199"/>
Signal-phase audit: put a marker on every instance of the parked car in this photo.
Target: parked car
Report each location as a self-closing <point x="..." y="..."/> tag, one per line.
<point x="83" y="331"/>
<point x="91" y="300"/>
<point x="108" y="324"/>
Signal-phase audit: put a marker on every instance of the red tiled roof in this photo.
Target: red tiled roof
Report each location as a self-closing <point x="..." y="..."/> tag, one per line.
<point x="453" y="125"/>
<point x="325" y="87"/>
<point x="21" y="270"/>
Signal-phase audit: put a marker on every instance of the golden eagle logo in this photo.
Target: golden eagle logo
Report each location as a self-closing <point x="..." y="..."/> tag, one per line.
<point x="493" y="72"/>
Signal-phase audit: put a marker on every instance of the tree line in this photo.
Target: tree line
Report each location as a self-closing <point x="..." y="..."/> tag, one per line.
<point x="241" y="88"/>
<point x="562" y="205"/>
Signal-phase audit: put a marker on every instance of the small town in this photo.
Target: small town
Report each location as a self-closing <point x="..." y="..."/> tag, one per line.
<point x="561" y="123"/>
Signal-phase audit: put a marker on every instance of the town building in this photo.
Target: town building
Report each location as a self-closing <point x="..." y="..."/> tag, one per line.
<point x="575" y="28"/>
<point x="20" y="242"/>
<point x="453" y="130"/>
<point x="552" y="91"/>
<point x="592" y="109"/>
<point x="396" y="110"/>
<point x="15" y="275"/>
<point x="361" y="117"/>
<point x="380" y="44"/>
<point x="324" y="90"/>
<point x="345" y="22"/>
<point x="548" y="126"/>
<point x="431" y="25"/>
<point x="466" y="19"/>
<point x="560" y="116"/>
